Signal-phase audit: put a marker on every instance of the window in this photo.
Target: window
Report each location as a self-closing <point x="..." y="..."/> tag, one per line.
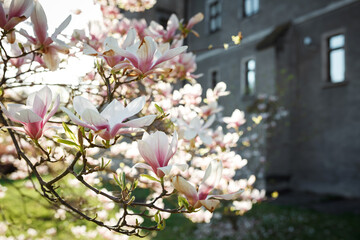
<point x="250" y="7"/>
<point x="214" y="16"/>
<point x="336" y="58"/>
<point x="250" y="77"/>
<point x="214" y="78"/>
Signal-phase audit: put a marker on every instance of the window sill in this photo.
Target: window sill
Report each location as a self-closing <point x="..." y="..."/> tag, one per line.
<point x="334" y="85"/>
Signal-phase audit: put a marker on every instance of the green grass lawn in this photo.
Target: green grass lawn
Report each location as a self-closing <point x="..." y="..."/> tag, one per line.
<point x="23" y="209"/>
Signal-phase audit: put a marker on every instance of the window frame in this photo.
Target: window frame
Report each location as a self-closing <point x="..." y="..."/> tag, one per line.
<point x="326" y="70"/>
<point x="253" y="12"/>
<point x="244" y="77"/>
<point x="209" y="17"/>
<point x="210" y="75"/>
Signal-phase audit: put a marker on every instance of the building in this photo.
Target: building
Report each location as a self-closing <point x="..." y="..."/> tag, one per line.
<point x="304" y="51"/>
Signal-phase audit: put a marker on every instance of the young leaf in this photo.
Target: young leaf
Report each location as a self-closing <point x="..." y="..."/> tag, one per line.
<point x="149" y="177"/>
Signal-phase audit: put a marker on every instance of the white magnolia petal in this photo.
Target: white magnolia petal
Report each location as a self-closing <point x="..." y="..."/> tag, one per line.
<point x="54" y="109"/>
<point x="184" y="187"/>
<point x="172" y="148"/>
<point x="142" y="165"/>
<point x="146" y="51"/>
<point x="76" y="120"/>
<point x="209" y="122"/>
<point x="212" y="177"/>
<point x="206" y="138"/>
<point x="210" y="204"/>
<point x="165" y="170"/>
<point x="114" y="112"/>
<point x="135" y="106"/>
<point x="81" y="104"/>
<point x="182" y="167"/>
<point x="88" y="50"/>
<point x="229" y="196"/>
<point x="130" y="38"/>
<point x="94" y="118"/>
<point x="61" y="28"/>
<point x="27" y="116"/>
<point x="140" y="122"/>
<point x="170" y="54"/>
<point x="189" y="134"/>
<point x="111" y="43"/>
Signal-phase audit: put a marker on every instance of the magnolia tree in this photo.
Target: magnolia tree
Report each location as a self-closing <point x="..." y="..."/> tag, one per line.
<point x="135" y="148"/>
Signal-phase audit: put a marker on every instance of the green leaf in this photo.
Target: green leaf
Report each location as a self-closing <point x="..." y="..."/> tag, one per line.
<point x="67" y="142"/>
<point x="159" y="108"/>
<point x="150" y="177"/>
<point x="68" y="132"/>
<point x="183" y="202"/>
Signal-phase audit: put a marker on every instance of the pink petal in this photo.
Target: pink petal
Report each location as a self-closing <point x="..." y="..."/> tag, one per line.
<point x="2" y="16"/>
<point x="19" y="7"/>
<point x="38" y="18"/>
<point x="148" y="154"/>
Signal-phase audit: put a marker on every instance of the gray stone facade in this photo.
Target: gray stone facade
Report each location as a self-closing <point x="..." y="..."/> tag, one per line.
<point x="317" y="147"/>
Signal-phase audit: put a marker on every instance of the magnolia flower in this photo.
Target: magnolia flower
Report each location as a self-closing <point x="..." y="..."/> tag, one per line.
<point x="146" y="56"/>
<point x="198" y="127"/>
<point x="109" y="122"/>
<point x="156" y="151"/>
<point x="32" y="115"/>
<point x="236" y="120"/>
<point x="111" y="54"/>
<point x="201" y="197"/>
<point x="157" y="31"/>
<point x="42" y="40"/>
<point x="18" y="11"/>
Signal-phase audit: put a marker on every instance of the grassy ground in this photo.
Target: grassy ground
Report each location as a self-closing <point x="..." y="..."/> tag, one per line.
<point x="24" y="209"/>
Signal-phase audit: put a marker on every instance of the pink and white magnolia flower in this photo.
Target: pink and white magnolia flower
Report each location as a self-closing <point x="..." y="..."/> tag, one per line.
<point x="14" y="12"/>
<point x="145" y="57"/>
<point x="198" y="127"/>
<point x="157" y="152"/>
<point x="158" y="32"/>
<point x="201" y="197"/>
<point x="236" y="120"/>
<point x="32" y="115"/>
<point x="49" y="49"/>
<point x="111" y="46"/>
<point x="110" y="121"/>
